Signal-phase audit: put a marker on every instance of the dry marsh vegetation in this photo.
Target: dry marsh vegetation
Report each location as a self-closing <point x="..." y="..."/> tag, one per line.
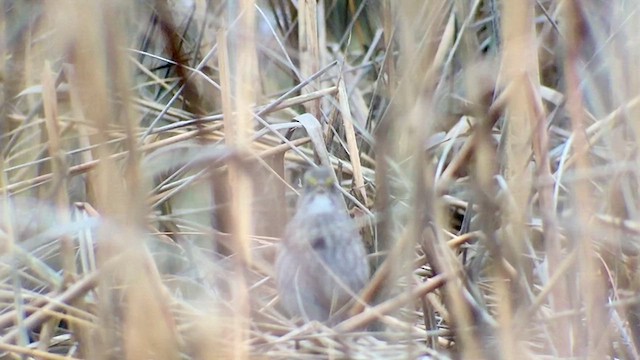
<point x="152" y="151"/>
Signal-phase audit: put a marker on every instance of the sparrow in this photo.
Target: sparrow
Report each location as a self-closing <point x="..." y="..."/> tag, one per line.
<point x="321" y="263"/>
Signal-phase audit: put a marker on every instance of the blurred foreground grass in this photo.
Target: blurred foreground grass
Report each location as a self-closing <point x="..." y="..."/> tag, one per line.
<point x="152" y="151"/>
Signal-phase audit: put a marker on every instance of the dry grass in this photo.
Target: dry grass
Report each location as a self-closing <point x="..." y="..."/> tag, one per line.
<point x="151" y="152"/>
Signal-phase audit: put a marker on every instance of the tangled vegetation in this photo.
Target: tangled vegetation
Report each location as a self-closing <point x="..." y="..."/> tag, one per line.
<point x="152" y="152"/>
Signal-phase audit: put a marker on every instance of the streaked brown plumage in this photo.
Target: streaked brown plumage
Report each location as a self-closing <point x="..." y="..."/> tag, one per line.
<point x="321" y="262"/>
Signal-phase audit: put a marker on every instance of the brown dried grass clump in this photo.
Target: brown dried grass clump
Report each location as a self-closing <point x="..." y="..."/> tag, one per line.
<point x="152" y="151"/>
